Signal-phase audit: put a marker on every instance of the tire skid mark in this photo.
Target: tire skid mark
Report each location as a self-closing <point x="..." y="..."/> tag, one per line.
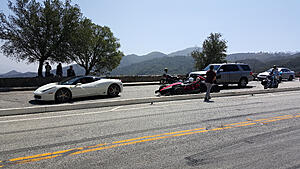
<point x="208" y="154"/>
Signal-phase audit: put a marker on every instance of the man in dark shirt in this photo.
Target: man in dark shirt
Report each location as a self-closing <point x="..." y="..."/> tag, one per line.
<point x="48" y="68"/>
<point x="70" y="72"/>
<point x="210" y="78"/>
<point x="59" y="72"/>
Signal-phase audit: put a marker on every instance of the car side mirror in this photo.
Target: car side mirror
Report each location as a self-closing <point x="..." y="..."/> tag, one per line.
<point x="78" y="84"/>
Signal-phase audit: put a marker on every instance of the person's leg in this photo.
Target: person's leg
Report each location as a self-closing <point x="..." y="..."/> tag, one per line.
<point x="207" y="96"/>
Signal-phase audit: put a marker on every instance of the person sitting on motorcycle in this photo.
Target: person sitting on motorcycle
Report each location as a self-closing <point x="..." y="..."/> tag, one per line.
<point x="274" y="73"/>
<point x="191" y="80"/>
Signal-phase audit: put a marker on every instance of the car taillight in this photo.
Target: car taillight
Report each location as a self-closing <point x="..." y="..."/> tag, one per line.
<point x="251" y="73"/>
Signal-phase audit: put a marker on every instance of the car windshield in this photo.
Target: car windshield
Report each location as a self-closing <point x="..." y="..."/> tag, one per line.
<point x="69" y="81"/>
<point x="270" y="70"/>
<point x="215" y="67"/>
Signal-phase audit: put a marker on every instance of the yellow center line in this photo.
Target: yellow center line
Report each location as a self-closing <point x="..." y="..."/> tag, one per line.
<point x="41" y="155"/>
<point x="138" y="138"/>
<point x="36" y="159"/>
<point x="232" y="124"/>
<point x="114" y="144"/>
<point x="248" y="124"/>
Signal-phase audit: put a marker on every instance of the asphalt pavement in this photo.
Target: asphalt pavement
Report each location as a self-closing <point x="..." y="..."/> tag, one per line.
<point x="259" y="131"/>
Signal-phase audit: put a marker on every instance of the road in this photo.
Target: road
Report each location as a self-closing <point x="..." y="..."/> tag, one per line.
<point x="18" y="99"/>
<point x="259" y="131"/>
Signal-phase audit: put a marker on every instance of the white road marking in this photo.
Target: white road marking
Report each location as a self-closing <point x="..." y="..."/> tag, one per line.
<point x="115" y="108"/>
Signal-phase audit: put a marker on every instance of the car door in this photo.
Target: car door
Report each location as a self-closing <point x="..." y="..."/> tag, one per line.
<point x="234" y="73"/>
<point x="283" y="73"/>
<point x="288" y="73"/>
<point x="88" y="86"/>
<point x="81" y="87"/>
<point x="76" y="88"/>
<point x="222" y="76"/>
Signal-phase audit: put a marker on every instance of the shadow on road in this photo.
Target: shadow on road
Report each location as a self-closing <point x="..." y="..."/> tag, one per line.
<point x="39" y="102"/>
<point x="235" y="87"/>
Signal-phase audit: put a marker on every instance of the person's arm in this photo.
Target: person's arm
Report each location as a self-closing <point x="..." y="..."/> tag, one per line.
<point x="215" y="76"/>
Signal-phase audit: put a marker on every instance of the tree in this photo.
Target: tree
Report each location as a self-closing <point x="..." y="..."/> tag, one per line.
<point x="38" y="32"/>
<point x="95" y="48"/>
<point x="213" y="51"/>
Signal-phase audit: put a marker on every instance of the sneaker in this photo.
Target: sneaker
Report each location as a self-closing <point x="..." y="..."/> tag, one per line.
<point x="206" y="100"/>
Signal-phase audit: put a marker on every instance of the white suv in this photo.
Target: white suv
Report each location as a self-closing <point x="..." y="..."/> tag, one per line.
<point x="229" y="73"/>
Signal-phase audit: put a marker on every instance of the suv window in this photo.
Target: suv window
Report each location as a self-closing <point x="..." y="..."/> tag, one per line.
<point x="230" y="68"/>
<point x="245" y="67"/>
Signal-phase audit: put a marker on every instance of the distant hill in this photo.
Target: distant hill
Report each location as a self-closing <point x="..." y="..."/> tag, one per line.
<point x="175" y="65"/>
<point x="292" y="62"/>
<point x="14" y="73"/>
<point x="184" y="52"/>
<point x="132" y="59"/>
<point x="181" y="62"/>
<point x="261" y="56"/>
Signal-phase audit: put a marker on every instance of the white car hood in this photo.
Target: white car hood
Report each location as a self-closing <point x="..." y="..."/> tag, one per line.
<point x="199" y="72"/>
<point x="264" y="74"/>
<point x="47" y="86"/>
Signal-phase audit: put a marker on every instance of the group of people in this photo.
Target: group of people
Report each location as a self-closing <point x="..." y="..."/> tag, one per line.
<point x="59" y="71"/>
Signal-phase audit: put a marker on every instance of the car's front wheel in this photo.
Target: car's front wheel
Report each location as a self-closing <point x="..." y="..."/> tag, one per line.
<point x="62" y="96"/>
<point x="290" y="78"/>
<point x="113" y="90"/>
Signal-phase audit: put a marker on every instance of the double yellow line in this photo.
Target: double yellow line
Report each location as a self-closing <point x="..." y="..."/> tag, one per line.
<point x="81" y="150"/>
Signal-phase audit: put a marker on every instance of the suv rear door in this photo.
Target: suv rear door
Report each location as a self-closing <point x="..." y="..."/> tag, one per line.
<point x="246" y="72"/>
<point x="234" y="73"/>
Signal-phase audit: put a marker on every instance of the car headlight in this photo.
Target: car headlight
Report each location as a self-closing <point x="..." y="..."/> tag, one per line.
<point x="48" y="89"/>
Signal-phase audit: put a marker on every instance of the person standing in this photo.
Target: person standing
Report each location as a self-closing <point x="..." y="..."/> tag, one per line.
<point x="274" y="73"/>
<point x="59" y="72"/>
<point x="70" y="72"/>
<point x="48" y="69"/>
<point x="210" y="78"/>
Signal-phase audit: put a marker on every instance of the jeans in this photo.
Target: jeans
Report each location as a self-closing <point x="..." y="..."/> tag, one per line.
<point x="208" y="86"/>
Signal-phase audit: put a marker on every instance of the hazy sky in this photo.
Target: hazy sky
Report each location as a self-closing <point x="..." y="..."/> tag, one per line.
<point x="144" y="26"/>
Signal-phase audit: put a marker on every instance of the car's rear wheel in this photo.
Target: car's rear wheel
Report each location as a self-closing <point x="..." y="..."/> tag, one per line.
<point x="62" y="96"/>
<point x="243" y="82"/>
<point x="113" y="90"/>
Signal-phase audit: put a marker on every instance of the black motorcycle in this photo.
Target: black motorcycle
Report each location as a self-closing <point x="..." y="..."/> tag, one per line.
<point x="270" y="82"/>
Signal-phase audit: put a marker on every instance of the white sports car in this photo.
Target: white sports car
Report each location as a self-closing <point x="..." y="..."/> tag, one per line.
<point x="78" y="87"/>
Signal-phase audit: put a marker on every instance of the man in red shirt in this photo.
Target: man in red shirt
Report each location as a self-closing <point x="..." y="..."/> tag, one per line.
<point x="210" y="78"/>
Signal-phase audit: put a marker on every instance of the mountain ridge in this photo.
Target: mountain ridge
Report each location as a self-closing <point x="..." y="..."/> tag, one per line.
<point x="180" y="62"/>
